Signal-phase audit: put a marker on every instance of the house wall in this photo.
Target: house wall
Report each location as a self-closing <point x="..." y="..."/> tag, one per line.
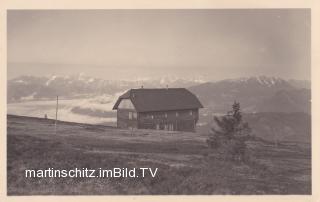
<point x="173" y="120"/>
<point x="123" y="118"/>
<point x="178" y="120"/>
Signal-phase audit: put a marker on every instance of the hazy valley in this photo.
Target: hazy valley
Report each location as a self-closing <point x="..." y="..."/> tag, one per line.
<point x="274" y="106"/>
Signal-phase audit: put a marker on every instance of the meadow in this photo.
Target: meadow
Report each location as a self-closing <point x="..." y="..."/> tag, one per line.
<point x="185" y="164"/>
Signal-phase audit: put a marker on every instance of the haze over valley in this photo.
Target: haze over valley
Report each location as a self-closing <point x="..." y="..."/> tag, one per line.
<point x="85" y="99"/>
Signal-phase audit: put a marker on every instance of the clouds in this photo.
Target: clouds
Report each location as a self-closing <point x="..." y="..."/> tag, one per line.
<point x="219" y="43"/>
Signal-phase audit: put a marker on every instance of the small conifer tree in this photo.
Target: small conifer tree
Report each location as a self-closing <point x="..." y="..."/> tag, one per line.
<point x="230" y="134"/>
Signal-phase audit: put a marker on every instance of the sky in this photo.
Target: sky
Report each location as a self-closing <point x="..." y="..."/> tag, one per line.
<point x="130" y="44"/>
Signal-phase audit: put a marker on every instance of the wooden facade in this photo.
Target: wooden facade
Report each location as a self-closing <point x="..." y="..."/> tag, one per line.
<point x="179" y="119"/>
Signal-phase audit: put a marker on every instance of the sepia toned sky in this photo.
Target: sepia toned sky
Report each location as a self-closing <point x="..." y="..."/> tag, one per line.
<point x="128" y="44"/>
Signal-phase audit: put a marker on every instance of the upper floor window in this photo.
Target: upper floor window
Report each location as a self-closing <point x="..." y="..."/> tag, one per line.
<point x="166" y="115"/>
<point x="177" y="114"/>
<point x="191" y="112"/>
<point x="130" y="115"/>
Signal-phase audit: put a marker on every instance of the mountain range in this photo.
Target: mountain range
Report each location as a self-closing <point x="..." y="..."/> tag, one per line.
<point x="255" y="94"/>
<point x="82" y="86"/>
<point x="275" y="108"/>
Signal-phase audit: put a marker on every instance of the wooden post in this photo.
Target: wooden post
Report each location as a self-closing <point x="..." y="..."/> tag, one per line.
<point x="274" y="137"/>
<point x="55" y="123"/>
<point x="176" y="125"/>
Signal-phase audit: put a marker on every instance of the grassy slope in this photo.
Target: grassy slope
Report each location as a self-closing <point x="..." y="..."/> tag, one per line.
<point x="182" y="158"/>
<point x="272" y="126"/>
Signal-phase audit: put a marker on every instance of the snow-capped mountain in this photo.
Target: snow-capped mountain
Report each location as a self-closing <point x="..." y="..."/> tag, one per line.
<point x="39" y="88"/>
<point x="256" y="94"/>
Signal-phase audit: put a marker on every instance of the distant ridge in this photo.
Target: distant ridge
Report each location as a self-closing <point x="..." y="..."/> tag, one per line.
<point x="256" y="94"/>
<point x="47" y="87"/>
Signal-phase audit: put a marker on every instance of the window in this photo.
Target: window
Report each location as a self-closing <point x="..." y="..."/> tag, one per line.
<point x="170" y="127"/>
<point x="191" y="112"/>
<point x="177" y="114"/>
<point x="166" y="115"/>
<point x="152" y="117"/>
<point x="130" y="115"/>
<point x="135" y="115"/>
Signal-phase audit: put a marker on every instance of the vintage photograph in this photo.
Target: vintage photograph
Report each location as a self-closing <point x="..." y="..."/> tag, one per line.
<point x="159" y="102"/>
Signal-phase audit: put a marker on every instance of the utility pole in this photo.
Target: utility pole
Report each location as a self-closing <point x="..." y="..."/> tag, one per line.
<point x="55" y="123"/>
<point x="275" y="138"/>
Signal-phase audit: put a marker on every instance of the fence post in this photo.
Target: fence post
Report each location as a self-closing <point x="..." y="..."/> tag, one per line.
<point x="55" y="123"/>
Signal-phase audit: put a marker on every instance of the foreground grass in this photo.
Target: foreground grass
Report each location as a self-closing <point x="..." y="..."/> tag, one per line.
<point x="185" y="166"/>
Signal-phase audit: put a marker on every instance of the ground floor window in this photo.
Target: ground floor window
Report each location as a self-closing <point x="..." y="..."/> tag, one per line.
<point x="135" y="115"/>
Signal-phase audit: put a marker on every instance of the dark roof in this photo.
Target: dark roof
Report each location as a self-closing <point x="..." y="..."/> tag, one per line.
<point x="160" y="99"/>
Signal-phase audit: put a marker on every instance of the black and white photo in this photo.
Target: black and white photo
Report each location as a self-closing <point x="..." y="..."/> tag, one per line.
<point x="159" y="101"/>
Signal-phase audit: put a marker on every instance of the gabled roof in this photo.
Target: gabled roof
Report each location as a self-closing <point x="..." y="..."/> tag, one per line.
<point x="160" y="99"/>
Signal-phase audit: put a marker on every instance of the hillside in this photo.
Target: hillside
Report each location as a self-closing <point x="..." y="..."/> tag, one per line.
<point x="256" y="94"/>
<point x="273" y="126"/>
<point x="185" y="165"/>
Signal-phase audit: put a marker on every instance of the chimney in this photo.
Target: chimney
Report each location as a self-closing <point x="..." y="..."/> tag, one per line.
<point x="167" y="87"/>
<point x="142" y="86"/>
